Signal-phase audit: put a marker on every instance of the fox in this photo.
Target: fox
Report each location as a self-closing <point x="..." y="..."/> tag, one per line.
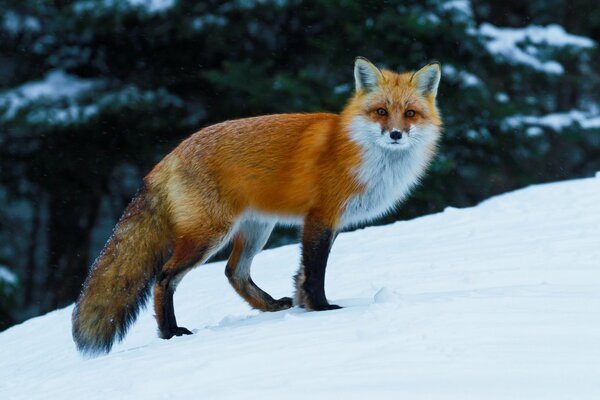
<point x="232" y="182"/>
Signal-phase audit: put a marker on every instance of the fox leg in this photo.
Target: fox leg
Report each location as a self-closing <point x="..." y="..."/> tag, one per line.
<point x="247" y="242"/>
<point x="186" y="254"/>
<point x="317" y="239"/>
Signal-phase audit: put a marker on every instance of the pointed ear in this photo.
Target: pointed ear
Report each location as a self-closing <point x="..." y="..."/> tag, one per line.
<point x="367" y="76"/>
<point x="428" y="78"/>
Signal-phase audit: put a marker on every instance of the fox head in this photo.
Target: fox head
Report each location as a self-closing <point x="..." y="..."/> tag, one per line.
<point x="394" y="111"/>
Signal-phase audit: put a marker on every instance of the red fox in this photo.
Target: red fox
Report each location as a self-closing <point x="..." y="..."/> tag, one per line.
<point x="233" y="181"/>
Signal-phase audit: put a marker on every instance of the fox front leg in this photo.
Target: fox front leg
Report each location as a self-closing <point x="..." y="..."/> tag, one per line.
<point x="317" y="239"/>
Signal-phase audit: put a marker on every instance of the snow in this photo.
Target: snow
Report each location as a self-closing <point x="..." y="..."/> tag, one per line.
<point x="15" y="23"/>
<point x="498" y="301"/>
<point x="456" y="11"/>
<point x="98" y="7"/>
<point x="55" y="85"/>
<point x="460" y="6"/>
<point x="63" y="94"/>
<point x="7" y="276"/>
<point x="465" y="78"/>
<point x="502" y="97"/>
<point x="505" y="42"/>
<point x="153" y="6"/>
<point x="206" y="21"/>
<point x="555" y="121"/>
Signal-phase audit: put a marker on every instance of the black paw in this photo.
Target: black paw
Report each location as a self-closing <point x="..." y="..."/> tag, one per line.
<point x="325" y="307"/>
<point x="177" y="331"/>
<point x="282" y="304"/>
<point x="277" y="305"/>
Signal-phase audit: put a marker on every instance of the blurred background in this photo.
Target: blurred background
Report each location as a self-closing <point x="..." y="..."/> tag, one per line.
<point x="94" y="93"/>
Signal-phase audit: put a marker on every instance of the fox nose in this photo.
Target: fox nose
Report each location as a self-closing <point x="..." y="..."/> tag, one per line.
<point x="395" y="135"/>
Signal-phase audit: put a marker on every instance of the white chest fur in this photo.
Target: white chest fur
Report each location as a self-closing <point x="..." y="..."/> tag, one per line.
<point x="388" y="177"/>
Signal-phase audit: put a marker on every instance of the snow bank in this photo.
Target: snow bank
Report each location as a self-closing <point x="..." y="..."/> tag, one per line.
<point x="499" y="301"/>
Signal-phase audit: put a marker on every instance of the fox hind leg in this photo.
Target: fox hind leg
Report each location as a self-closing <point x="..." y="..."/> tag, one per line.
<point x="248" y="241"/>
<point x="186" y="254"/>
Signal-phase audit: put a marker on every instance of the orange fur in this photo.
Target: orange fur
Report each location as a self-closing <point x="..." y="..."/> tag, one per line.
<point x="282" y="164"/>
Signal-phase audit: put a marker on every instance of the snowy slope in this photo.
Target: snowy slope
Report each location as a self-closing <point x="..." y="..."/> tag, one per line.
<point x="499" y="301"/>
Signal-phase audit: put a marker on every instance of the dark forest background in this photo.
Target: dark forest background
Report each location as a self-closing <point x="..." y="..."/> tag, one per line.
<point x="94" y="93"/>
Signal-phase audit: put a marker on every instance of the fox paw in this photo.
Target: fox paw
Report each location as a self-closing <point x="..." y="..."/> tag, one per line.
<point x="285" y="303"/>
<point x="180" y="331"/>
<point x="177" y="331"/>
<point x="282" y="304"/>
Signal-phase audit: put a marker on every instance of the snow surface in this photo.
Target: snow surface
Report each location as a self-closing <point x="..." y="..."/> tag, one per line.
<point x="505" y="43"/>
<point x="498" y="301"/>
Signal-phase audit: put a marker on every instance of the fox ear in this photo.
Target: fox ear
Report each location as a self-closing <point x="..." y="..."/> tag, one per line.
<point x="428" y="78"/>
<point x="367" y="76"/>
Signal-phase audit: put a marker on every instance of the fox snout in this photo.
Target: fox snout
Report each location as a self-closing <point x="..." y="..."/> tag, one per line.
<point x="395" y="138"/>
<point x="396" y="134"/>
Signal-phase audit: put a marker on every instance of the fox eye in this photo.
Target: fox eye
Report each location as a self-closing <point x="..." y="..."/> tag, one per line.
<point x="410" y="113"/>
<point x="381" y="111"/>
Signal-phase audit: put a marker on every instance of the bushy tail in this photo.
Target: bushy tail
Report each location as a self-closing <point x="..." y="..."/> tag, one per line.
<point x="119" y="282"/>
